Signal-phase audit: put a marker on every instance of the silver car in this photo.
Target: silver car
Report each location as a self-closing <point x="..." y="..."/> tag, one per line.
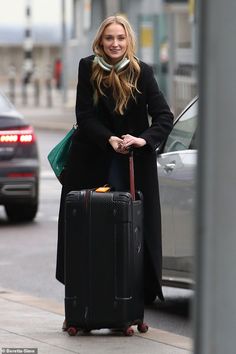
<point x="176" y="161"/>
<point x="19" y="164"/>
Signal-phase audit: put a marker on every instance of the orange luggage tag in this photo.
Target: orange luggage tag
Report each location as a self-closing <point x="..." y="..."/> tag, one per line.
<point x="103" y="189"/>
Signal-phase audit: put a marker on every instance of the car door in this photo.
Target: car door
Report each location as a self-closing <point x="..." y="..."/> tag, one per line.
<point x="177" y="169"/>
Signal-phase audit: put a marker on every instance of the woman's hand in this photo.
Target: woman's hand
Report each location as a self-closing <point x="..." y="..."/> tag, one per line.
<point x="130" y="140"/>
<point x="122" y="145"/>
<point x="117" y="144"/>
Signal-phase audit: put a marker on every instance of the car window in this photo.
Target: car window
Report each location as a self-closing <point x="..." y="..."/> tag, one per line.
<point x="5" y="105"/>
<point x="183" y="135"/>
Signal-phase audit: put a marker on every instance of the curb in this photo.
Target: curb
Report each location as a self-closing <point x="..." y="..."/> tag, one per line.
<point x="155" y="335"/>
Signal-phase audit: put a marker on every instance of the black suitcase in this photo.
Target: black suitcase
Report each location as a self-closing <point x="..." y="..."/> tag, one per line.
<point x="104" y="261"/>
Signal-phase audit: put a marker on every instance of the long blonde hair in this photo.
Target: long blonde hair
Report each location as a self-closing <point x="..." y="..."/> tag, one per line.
<point x="124" y="82"/>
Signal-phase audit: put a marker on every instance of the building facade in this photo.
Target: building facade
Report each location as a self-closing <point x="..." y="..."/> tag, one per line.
<point x="165" y="32"/>
<point x="46" y="48"/>
<point x="166" y="37"/>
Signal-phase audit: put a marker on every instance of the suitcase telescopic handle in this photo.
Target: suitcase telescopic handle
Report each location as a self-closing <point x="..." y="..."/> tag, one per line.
<point x="131" y="173"/>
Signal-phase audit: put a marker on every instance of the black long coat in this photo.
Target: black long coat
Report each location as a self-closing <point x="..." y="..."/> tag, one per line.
<point x="91" y="155"/>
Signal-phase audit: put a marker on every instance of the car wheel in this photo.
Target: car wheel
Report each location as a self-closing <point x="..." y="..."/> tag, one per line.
<point x="21" y="212"/>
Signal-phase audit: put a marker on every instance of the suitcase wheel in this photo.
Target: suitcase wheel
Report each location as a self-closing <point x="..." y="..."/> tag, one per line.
<point x="142" y="327"/>
<point x="129" y="332"/>
<point x="72" y="331"/>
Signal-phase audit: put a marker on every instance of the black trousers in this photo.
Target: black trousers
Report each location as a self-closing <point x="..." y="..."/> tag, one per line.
<point x="118" y="177"/>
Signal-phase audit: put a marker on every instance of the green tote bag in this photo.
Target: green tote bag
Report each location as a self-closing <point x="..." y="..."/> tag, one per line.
<point x="57" y="157"/>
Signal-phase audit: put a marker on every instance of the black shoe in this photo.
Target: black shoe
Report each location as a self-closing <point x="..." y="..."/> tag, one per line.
<point x="149" y="298"/>
<point x="64" y="326"/>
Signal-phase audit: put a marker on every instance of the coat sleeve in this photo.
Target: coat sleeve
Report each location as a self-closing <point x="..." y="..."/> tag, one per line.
<point x="90" y="126"/>
<point x="158" y="109"/>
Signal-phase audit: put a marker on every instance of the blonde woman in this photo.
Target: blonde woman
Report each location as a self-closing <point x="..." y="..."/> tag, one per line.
<point x="116" y="93"/>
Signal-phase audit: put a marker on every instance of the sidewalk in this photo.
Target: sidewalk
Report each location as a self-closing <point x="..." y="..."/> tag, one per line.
<point x="56" y="118"/>
<point x="30" y="322"/>
<point x="59" y="116"/>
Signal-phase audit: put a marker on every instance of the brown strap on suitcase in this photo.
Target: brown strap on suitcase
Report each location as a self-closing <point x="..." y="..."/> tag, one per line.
<point x="131" y="174"/>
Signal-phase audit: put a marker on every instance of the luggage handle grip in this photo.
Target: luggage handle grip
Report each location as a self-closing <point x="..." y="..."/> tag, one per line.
<point x="131" y="173"/>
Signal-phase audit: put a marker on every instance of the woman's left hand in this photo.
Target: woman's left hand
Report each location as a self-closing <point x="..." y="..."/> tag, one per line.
<point x="130" y="140"/>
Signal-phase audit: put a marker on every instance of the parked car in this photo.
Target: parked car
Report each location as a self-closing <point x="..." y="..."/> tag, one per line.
<point x="19" y="164"/>
<point x="176" y="161"/>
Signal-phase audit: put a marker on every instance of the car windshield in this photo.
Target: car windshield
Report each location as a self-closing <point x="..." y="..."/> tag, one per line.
<point x="183" y="135"/>
<point x="5" y="105"/>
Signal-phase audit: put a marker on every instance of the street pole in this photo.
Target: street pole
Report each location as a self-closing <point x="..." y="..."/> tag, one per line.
<point x="215" y="311"/>
<point x="64" y="52"/>
<point x="28" y="52"/>
<point x="172" y="58"/>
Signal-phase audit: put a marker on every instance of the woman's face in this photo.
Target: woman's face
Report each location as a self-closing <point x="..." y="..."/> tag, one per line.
<point x="114" y="42"/>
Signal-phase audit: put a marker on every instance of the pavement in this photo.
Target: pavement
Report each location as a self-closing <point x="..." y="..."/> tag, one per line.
<point x="33" y="325"/>
<point x="59" y="115"/>
<point x="28" y="323"/>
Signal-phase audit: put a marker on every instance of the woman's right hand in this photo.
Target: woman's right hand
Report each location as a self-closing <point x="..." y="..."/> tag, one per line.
<point x="117" y="144"/>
